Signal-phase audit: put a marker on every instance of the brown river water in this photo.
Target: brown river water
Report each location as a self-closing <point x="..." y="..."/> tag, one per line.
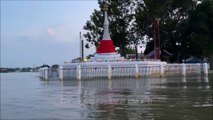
<point x="25" y="96"/>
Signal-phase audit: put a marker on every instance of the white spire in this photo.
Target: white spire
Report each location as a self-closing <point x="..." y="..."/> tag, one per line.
<point x="106" y="35"/>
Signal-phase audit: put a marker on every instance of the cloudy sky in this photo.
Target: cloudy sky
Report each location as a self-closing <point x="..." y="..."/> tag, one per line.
<point x="38" y="32"/>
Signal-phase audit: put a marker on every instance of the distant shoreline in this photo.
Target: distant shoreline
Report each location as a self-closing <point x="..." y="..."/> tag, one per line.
<point x="9" y="70"/>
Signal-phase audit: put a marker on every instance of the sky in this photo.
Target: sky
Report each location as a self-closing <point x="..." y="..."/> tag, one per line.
<point x="38" y="32"/>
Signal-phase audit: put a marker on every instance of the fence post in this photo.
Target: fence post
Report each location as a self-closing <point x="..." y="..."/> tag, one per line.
<point x="205" y="69"/>
<point x="109" y="72"/>
<point x="61" y="72"/>
<point x="207" y="81"/>
<point x="161" y="70"/>
<point x="40" y="73"/>
<point x="79" y="72"/>
<point x="46" y="73"/>
<point x="136" y="71"/>
<point x="184" y="69"/>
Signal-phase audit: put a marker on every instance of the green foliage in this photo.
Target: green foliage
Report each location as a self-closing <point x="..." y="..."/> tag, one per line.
<point x="25" y="69"/>
<point x="94" y="29"/>
<point x="201" y="27"/>
<point x="44" y="65"/>
<point x="55" y="66"/>
<point x="28" y="69"/>
<point x="186" y="27"/>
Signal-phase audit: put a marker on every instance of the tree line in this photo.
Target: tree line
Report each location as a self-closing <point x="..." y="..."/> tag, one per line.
<point x="185" y="26"/>
<point x="27" y="69"/>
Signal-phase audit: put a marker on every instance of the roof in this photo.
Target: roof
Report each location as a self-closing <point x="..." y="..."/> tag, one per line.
<point x="193" y="60"/>
<point x="164" y="53"/>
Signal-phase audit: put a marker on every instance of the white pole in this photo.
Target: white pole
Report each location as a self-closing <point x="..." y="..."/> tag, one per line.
<point x="206" y="79"/>
<point x="184" y="81"/>
<point x="161" y="70"/>
<point x="79" y="72"/>
<point x="39" y="72"/>
<point x="79" y="92"/>
<point x="109" y="72"/>
<point x="46" y="73"/>
<point x="137" y="84"/>
<point x="205" y="67"/>
<point x="136" y="71"/>
<point x="184" y="69"/>
<point x="61" y="72"/>
<point x="110" y="84"/>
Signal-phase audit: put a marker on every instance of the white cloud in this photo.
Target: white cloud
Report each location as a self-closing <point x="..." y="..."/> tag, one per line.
<point x="33" y="36"/>
<point x="60" y="33"/>
<point x="50" y="32"/>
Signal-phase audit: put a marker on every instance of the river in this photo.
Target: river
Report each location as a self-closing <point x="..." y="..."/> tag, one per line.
<point x="25" y="96"/>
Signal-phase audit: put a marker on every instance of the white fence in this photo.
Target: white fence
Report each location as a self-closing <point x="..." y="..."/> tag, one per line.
<point x="44" y="73"/>
<point x="136" y="69"/>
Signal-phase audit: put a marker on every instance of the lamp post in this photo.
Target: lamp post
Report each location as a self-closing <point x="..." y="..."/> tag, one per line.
<point x="158" y="38"/>
<point x="178" y="44"/>
<point x="81" y="48"/>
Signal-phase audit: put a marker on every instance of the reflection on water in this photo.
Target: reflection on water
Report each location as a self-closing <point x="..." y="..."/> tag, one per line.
<point x="24" y="96"/>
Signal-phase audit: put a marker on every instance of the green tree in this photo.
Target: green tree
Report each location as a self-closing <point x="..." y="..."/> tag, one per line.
<point x="146" y="14"/>
<point x="173" y="25"/>
<point x="174" y="31"/>
<point x="185" y="25"/>
<point x="201" y="27"/>
<point x="94" y="29"/>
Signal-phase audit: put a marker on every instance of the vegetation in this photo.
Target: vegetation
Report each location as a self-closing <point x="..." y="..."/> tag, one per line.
<point x="26" y="69"/>
<point x="186" y="26"/>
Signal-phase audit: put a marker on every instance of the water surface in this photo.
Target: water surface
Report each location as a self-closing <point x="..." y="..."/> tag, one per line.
<point x="25" y="96"/>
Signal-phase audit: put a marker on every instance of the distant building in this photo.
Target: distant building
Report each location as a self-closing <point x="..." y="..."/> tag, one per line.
<point x="193" y="60"/>
<point x="165" y="55"/>
<point x="133" y="56"/>
<point x="76" y="60"/>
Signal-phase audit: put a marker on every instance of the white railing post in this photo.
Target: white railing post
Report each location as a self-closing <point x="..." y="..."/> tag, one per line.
<point x="39" y="72"/>
<point x="109" y="72"/>
<point x="61" y="76"/>
<point x="161" y="70"/>
<point x="79" y="72"/>
<point x="46" y="73"/>
<point x="184" y="69"/>
<point x="206" y="79"/>
<point x="205" y="69"/>
<point x="136" y="71"/>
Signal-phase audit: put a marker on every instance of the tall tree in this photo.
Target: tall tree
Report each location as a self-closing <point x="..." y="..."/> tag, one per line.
<point x="174" y="17"/>
<point x="94" y="28"/>
<point x="174" y="29"/>
<point x="185" y="25"/>
<point x="148" y="12"/>
<point x="201" y="27"/>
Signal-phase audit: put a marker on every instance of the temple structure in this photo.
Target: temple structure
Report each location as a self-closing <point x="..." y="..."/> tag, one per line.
<point x="106" y="50"/>
<point x="107" y="63"/>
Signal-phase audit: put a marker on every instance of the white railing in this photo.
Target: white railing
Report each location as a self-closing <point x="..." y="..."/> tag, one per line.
<point x="87" y="71"/>
<point x="44" y="73"/>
